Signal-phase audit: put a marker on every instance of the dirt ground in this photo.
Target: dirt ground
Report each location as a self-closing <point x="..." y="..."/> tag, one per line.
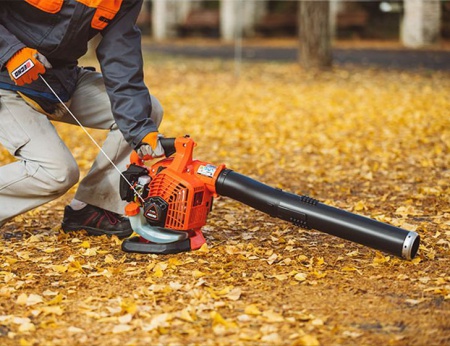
<point x="368" y="141"/>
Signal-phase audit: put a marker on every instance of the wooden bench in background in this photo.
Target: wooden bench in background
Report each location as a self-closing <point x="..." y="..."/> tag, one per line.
<point x="204" y="22"/>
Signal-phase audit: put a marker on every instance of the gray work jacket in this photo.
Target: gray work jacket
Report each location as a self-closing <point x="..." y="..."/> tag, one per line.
<point x="60" y="30"/>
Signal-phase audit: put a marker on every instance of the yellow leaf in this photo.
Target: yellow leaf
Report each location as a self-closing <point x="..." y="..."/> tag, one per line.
<point x="60" y="268"/>
<point x="74" y="330"/>
<point x="75" y="266"/>
<point x="235" y="294"/>
<point x="56" y="310"/>
<point x="20" y="320"/>
<point x="56" y="300"/>
<point x="175" y="262"/>
<point x="27" y="327"/>
<point x="308" y="340"/>
<point x="272" y="258"/>
<point x="49" y="293"/>
<point x="23" y="342"/>
<point x="110" y="259"/>
<point x="249" y="335"/>
<point x="175" y="285"/>
<point x="359" y="206"/>
<point x="34" y="239"/>
<point x="129" y="306"/>
<point x="21" y="299"/>
<point x="11" y="260"/>
<point x="124" y="319"/>
<point x="353" y="253"/>
<point x="302" y="258"/>
<point x="204" y="248"/>
<point x="218" y="319"/>
<point x="121" y="328"/>
<point x="317" y="322"/>
<point x="320" y="261"/>
<point x="381" y="259"/>
<point x="272" y="316"/>
<point x="158" y="269"/>
<point x="416" y="260"/>
<point x="224" y="290"/>
<point x="319" y="274"/>
<point x="30" y="300"/>
<point x="281" y="277"/>
<point x="197" y="273"/>
<point x="300" y="276"/>
<point x="90" y="252"/>
<point x="85" y="244"/>
<point x="272" y="338"/>
<point x="258" y="276"/>
<point x="186" y="315"/>
<point x="252" y="309"/>
<point x="157" y="322"/>
<point x="158" y="273"/>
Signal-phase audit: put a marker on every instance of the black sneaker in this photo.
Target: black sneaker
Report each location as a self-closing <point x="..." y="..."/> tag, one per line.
<point x="96" y="221"/>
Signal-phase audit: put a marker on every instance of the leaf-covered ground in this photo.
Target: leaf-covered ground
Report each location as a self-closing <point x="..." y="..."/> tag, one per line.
<point x="373" y="142"/>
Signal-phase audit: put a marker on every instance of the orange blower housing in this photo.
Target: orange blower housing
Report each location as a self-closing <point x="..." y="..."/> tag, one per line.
<point x="178" y="197"/>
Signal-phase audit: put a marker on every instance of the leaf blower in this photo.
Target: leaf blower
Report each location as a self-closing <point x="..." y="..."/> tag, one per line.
<point x="170" y="200"/>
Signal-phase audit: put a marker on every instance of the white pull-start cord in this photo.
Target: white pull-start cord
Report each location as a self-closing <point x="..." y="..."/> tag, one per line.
<point x="92" y="139"/>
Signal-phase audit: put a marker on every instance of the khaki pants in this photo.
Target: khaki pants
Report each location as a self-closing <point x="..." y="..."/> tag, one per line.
<point x="45" y="168"/>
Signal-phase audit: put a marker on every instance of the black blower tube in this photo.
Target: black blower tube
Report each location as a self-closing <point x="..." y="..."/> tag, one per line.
<point x="308" y="213"/>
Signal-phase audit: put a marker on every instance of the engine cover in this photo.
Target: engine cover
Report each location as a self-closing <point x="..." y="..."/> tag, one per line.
<point x="155" y="211"/>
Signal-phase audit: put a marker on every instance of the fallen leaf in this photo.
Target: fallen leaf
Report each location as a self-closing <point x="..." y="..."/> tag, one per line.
<point x="252" y="309"/>
<point x="234" y="294"/>
<point x="121" y="328"/>
<point x="271" y="316"/>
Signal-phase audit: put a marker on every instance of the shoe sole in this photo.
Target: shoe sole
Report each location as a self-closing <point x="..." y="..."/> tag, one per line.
<point x="94" y="231"/>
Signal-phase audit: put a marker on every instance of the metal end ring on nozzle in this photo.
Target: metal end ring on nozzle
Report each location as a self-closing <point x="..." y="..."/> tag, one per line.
<point x="410" y="245"/>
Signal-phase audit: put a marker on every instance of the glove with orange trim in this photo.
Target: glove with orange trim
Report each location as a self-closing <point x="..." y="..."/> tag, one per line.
<point x="150" y="147"/>
<point x="25" y="66"/>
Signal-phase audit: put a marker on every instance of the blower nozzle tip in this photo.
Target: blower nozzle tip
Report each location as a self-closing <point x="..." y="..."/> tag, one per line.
<point x="410" y="245"/>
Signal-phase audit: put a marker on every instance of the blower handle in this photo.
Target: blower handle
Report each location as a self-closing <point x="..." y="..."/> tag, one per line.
<point x="168" y="145"/>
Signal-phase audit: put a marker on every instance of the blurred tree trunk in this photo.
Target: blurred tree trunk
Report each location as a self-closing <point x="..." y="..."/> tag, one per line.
<point x="315" y="38"/>
<point x="421" y="23"/>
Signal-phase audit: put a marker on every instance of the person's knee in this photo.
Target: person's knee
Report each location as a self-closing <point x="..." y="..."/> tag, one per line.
<point x="71" y="176"/>
<point x="67" y="177"/>
<point x="58" y="180"/>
